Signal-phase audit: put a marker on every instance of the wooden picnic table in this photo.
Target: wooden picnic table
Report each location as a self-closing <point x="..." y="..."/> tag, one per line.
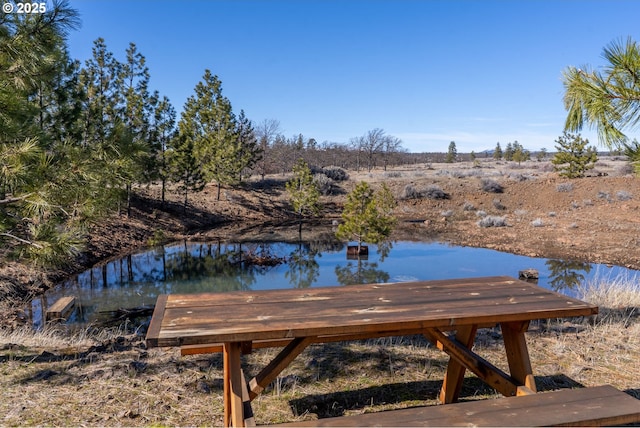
<point x="237" y="322"/>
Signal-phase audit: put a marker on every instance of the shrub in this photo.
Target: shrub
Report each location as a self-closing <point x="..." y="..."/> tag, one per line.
<point x="552" y="214"/>
<point x="481" y="213"/>
<point x="604" y="195"/>
<point x="537" y="223"/>
<point x="323" y="183"/>
<point x="498" y="204"/>
<point x="434" y="192"/>
<point x="447" y="213"/>
<point x="468" y="206"/>
<point x="491" y="186"/>
<point x="623" y="195"/>
<point x="409" y="192"/>
<point x="335" y="173"/>
<point x="492" y="221"/>
<point x="564" y="187"/>
<point x="393" y="174"/>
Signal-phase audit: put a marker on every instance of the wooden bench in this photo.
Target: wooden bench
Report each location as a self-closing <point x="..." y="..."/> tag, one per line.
<point x="61" y="308"/>
<point x="597" y="406"/>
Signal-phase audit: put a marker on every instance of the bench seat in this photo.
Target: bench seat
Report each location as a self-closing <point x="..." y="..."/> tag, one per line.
<point x="596" y="406"/>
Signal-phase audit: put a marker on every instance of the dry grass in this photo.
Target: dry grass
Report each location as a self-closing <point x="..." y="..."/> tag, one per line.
<point x="112" y="380"/>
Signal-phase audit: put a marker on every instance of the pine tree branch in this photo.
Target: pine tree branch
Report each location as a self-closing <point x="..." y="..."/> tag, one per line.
<point x="24" y="241"/>
<point x="8" y="201"/>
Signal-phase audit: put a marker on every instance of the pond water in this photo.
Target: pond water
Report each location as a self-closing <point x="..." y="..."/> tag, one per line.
<point x="135" y="281"/>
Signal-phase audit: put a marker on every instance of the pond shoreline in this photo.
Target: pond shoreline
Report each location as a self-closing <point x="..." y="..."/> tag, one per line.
<point x="574" y="227"/>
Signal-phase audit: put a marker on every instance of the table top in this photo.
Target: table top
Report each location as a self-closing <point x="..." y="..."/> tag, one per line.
<point x="192" y="319"/>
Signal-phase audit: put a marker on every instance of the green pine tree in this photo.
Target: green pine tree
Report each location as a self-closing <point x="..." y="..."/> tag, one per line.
<point x="573" y="157"/>
<point x="367" y="215"/>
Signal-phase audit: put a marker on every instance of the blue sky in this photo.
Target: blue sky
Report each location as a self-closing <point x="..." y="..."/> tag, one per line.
<point x="426" y="71"/>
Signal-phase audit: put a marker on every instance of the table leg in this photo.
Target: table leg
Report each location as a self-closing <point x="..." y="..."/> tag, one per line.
<point x="518" y="355"/>
<point x="233" y="385"/>
<point x="452" y="383"/>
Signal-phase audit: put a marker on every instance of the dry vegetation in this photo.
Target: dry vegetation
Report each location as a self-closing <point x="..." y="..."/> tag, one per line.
<point x="109" y="378"/>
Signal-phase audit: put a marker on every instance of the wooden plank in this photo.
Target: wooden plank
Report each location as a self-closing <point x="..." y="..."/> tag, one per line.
<point x="517" y="353"/>
<point x="236" y="384"/>
<point x="156" y="321"/>
<point x="349" y="312"/>
<point x="275" y="367"/>
<point x="454" y="376"/>
<point x="597" y="406"/>
<point x="490" y="374"/>
<point x="212" y="348"/>
<point x="61" y="308"/>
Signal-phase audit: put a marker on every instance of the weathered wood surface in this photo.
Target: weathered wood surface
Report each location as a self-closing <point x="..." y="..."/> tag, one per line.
<point x="61" y="308"/>
<point x="369" y="309"/>
<point x="598" y="406"/>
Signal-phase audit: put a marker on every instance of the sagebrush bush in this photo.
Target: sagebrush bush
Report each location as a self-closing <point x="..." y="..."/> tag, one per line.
<point x="623" y="195"/>
<point x="434" y="192"/>
<point x="468" y="206"/>
<point x="447" y="213"/>
<point x="491" y="186"/>
<point x="537" y="223"/>
<point x="393" y="174"/>
<point x="335" y="173"/>
<point x="492" y="221"/>
<point x="481" y="213"/>
<point x="564" y="187"/>
<point x="409" y="192"/>
<point x="498" y="204"/>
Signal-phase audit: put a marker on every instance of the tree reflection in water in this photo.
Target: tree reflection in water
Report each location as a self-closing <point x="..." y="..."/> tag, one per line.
<point x="566" y="274"/>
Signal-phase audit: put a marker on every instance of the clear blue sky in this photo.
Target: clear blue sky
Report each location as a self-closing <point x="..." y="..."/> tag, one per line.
<point x="428" y="72"/>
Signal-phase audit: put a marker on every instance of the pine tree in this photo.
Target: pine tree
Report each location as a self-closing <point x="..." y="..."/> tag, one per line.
<point x="47" y="185"/>
<point x="303" y="191"/>
<point x="367" y="215"/>
<point x="497" y="152"/>
<point x="508" y="152"/>
<point x="452" y="153"/>
<point x="573" y="157"/>
<point x="248" y="152"/>
<point x="184" y="166"/>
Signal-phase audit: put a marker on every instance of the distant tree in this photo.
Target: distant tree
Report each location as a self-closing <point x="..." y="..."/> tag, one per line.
<point x="266" y="132"/>
<point x="162" y="133"/>
<point x="371" y="144"/>
<point x="508" y="152"/>
<point x="390" y="146"/>
<point x="542" y="154"/>
<point x="213" y="125"/>
<point x="184" y="167"/>
<point x="367" y="215"/>
<point x="497" y="152"/>
<point x="520" y="154"/>
<point x="472" y="155"/>
<point x="452" y="153"/>
<point x="303" y="192"/>
<point x="609" y="101"/>
<point x="247" y="149"/>
<point x="632" y="152"/>
<point x="573" y="157"/>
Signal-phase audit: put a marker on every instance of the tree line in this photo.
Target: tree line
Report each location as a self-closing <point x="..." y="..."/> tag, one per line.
<point x="76" y="138"/>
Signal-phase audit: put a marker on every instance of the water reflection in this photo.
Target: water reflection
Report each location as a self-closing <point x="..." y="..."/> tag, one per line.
<point x="136" y="280"/>
<point x="566" y="274"/>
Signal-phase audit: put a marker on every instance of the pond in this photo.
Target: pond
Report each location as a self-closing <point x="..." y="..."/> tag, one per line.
<point x="129" y="286"/>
